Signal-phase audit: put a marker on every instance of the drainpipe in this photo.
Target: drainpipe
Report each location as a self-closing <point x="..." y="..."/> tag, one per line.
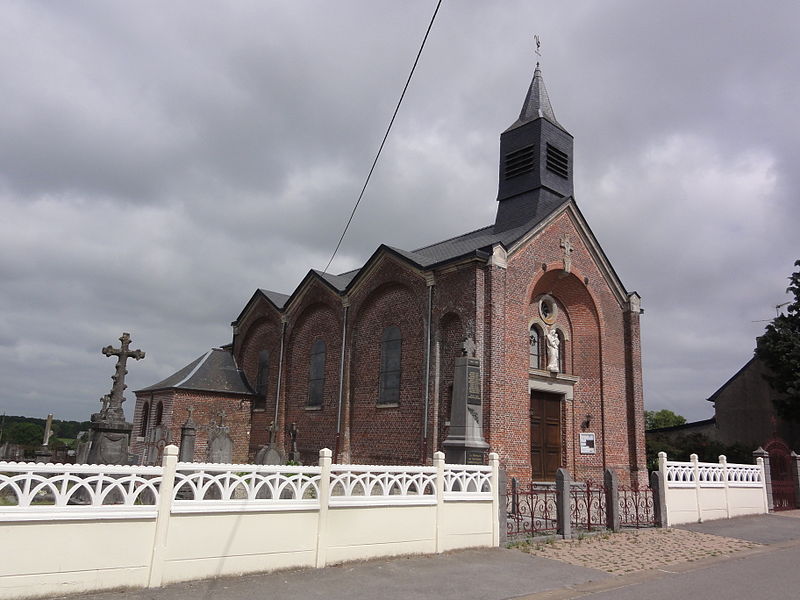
<point x="280" y="373"/>
<point x="429" y="280"/>
<point x="346" y="305"/>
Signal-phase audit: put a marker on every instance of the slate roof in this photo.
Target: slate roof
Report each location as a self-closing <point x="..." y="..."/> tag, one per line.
<point x="276" y="298"/>
<point x="215" y="371"/>
<point x="452" y="248"/>
<point x="537" y="103"/>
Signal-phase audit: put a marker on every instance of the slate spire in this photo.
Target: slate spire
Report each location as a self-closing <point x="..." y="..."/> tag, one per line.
<point x="537" y="102"/>
<point x="535" y="161"/>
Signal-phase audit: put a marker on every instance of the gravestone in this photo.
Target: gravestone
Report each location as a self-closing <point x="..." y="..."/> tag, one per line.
<point x="158" y="438"/>
<point x="109" y="431"/>
<point x="220" y="444"/>
<point x="43" y="454"/>
<point x="82" y="448"/>
<point x="270" y="454"/>
<point x="188" y="438"/>
<point x="465" y="443"/>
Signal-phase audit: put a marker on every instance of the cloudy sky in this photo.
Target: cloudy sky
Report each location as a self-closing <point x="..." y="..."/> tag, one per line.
<point x="159" y="161"/>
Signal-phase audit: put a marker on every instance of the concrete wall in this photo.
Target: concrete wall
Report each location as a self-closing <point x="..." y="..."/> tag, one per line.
<point x="184" y="533"/>
<point x="695" y="492"/>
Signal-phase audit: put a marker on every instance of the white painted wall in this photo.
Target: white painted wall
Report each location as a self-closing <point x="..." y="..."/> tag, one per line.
<point x="696" y="492"/>
<point x="70" y="548"/>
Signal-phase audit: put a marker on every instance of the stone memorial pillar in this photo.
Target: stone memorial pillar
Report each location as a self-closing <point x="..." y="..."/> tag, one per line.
<point x="465" y="443"/>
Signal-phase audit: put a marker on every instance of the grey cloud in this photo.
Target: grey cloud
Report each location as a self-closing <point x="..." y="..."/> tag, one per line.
<point x="160" y="163"/>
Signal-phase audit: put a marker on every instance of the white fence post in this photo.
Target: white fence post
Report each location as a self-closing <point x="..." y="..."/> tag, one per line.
<point x="723" y="461"/>
<point x="760" y="463"/>
<point x="696" y="475"/>
<point x="324" y="501"/>
<point x="494" y="461"/>
<point x="438" y="462"/>
<point x="169" y="463"/>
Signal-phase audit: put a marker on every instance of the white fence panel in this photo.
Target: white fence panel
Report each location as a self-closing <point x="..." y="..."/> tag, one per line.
<point x="184" y="521"/>
<point x="696" y="491"/>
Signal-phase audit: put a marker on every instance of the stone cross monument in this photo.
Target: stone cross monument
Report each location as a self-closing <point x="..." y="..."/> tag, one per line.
<point x="110" y="433"/>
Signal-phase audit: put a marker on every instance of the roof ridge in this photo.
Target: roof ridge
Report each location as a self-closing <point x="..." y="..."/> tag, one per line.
<point x="193" y="371"/>
<point x="452" y="238"/>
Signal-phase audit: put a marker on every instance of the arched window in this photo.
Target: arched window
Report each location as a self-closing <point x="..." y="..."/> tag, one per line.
<point x="145" y="417"/>
<point x="159" y="413"/>
<point x="535" y="351"/>
<point x="262" y="379"/>
<point x="391" y="345"/>
<point x="316" y="374"/>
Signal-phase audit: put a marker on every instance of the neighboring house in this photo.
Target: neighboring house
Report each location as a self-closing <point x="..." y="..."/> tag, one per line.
<point x="744" y="413"/>
<point x="363" y="362"/>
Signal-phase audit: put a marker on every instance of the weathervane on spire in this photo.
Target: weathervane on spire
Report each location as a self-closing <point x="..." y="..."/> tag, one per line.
<point x="538" y="45"/>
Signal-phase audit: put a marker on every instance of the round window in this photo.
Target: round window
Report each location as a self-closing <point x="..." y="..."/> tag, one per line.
<point x="548" y="309"/>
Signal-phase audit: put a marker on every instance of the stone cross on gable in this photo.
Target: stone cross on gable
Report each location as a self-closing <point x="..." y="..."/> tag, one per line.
<point x="468" y="347"/>
<point x="567" y="246"/>
<point x="114" y="408"/>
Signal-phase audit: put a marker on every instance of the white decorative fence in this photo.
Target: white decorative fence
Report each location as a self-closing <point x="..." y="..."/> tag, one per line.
<point x="77" y="528"/>
<point x="697" y="491"/>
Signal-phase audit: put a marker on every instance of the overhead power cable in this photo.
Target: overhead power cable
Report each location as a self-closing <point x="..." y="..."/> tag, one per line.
<point x="386" y="135"/>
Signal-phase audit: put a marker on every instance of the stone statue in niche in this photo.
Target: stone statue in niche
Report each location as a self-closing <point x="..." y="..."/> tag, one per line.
<point x="552" y="350"/>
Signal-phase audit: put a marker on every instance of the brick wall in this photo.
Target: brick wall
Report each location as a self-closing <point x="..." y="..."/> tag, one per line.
<point x="318" y="316"/>
<point x="493" y="305"/>
<point x="207" y="407"/>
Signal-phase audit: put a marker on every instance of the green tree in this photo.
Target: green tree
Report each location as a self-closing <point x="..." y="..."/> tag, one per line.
<point x="656" y="419"/>
<point x="25" y="434"/>
<point x="779" y="349"/>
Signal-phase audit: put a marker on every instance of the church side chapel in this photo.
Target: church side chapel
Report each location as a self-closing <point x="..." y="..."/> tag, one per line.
<point x="517" y="338"/>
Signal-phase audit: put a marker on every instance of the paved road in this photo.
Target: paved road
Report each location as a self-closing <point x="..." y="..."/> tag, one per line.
<point x="493" y="574"/>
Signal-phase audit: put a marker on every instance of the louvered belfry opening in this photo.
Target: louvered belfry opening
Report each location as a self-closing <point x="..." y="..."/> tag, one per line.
<point x="520" y="162"/>
<point x="557" y="161"/>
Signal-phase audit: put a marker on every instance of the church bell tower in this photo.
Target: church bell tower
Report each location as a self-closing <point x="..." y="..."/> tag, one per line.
<point x="535" y="161"/>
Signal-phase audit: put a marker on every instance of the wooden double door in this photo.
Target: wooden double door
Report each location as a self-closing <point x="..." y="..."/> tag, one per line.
<point x="545" y="435"/>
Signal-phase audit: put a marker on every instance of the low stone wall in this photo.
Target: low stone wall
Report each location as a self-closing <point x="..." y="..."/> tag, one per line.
<point x="77" y="528"/>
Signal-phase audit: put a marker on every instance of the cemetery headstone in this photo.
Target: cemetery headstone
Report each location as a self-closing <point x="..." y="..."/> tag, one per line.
<point x="188" y="438"/>
<point x="220" y="444"/>
<point x="43" y="454"/>
<point x="270" y="454"/>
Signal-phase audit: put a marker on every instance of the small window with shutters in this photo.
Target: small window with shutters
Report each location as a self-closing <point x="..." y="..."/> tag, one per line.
<point x="391" y="349"/>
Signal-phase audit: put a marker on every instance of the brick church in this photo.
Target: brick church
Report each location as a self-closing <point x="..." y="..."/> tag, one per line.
<point x="363" y="362"/>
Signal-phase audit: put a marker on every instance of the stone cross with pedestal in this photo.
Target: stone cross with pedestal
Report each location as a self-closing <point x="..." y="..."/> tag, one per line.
<point x="110" y="432"/>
